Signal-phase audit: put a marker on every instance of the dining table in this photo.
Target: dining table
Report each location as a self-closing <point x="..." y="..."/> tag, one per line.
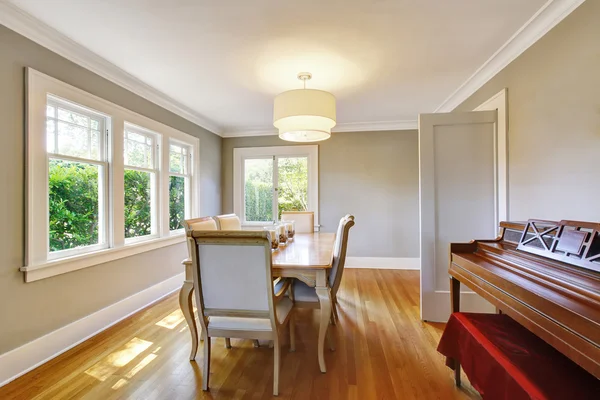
<point x="307" y="257"/>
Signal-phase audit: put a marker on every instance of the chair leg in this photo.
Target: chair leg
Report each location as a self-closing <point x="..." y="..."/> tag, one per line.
<point x="334" y="314"/>
<point x="330" y="340"/>
<point x="276" y="366"/>
<point x="256" y="343"/>
<point x="292" y="328"/>
<point x="206" y="368"/>
<point x="227" y="343"/>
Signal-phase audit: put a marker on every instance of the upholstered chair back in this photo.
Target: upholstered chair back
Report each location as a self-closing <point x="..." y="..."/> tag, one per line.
<point x="304" y="220"/>
<point x="232" y="271"/>
<point x="229" y="222"/>
<point x="339" y="252"/>
<point x="201" y="224"/>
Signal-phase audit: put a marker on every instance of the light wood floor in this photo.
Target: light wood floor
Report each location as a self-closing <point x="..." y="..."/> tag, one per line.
<point x="383" y="352"/>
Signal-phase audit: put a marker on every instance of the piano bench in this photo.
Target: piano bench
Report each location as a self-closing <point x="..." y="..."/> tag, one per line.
<point x="504" y="360"/>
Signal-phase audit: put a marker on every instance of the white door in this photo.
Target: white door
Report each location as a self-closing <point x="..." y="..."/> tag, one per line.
<point x="459" y="193"/>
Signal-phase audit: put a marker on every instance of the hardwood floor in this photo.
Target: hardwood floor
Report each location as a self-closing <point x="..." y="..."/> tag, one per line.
<point x="383" y="351"/>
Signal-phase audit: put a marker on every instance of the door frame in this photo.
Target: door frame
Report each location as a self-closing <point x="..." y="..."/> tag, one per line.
<point x="499" y="102"/>
<point x="427" y="200"/>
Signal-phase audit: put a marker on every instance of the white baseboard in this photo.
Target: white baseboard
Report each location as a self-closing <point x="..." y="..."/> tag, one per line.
<point x="31" y="355"/>
<point x="383" y="263"/>
<point x="438" y="309"/>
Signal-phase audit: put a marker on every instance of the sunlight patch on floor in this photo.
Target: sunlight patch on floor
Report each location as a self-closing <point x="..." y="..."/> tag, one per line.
<point x="123" y="381"/>
<point x="172" y="320"/>
<point x="111" y="363"/>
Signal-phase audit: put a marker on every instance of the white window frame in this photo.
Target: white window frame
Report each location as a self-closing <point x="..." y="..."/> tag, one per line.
<point x="37" y="264"/>
<point x="187" y="175"/>
<point x="155" y="188"/>
<point x="244" y="153"/>
<point x="104" y="170"/>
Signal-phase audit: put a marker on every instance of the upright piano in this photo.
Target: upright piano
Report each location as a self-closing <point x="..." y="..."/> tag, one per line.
<point x="543" y="274"/>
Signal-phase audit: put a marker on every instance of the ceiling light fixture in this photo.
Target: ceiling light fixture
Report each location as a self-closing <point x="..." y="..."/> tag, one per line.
<point x="304" y="115"/>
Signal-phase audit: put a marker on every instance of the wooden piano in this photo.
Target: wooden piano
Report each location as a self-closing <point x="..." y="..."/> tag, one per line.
<point x="543" y="274"/>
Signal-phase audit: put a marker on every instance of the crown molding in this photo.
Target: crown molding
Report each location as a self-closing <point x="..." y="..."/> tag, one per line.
<point x="243" y="132"/>
<point x="26" y="25"/>
<point x="546" y="18"/>
<point x="402" y="125"/>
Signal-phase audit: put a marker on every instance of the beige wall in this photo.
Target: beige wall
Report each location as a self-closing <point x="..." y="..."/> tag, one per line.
<point x="554" y="121"/>
<point x="373" y="175"/>
<point x="30" y="310"/>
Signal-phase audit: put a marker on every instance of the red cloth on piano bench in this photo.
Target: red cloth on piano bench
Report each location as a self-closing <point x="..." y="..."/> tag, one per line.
<point x="504" y="360"/>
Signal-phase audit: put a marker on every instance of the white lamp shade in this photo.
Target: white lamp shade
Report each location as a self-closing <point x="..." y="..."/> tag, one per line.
<point x="304" y="115"/>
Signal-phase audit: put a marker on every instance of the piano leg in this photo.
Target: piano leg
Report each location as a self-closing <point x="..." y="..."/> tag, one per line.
<point x="454" y="294"/>
<point x="457" y="373"/>
<point x="455" y="307"/>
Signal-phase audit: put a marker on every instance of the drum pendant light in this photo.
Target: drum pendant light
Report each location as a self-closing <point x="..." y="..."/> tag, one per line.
<point x="304" y="115"/>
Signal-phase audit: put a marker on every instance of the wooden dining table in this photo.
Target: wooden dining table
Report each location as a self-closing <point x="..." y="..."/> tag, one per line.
<point x="308" y="257"/>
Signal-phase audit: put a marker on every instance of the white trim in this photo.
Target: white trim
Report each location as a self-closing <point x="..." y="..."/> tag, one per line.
<point x="469" y="302"/>
<point x="411" y="263"/>
<point x="19" y="21"/>
<point x="546" y="18"/>
<point x="375" y="126"/>
<point x="499" y="102"/>
<point x="241" y="153"/>
<point x="74" y="263"/>
<point x="35" y="353"/>
<point x="402" y="125"/>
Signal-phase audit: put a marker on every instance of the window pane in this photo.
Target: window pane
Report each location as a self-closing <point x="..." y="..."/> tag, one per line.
<point x="138" y="150"/>
<point x="138" y="206"/>
<point x="50" y="135"/>
<point x="293" y="184"/>
<point x="258" y="189"/>
<point x="73" y="204"/>
<point x="73" y="117"/>
<point x="77" y="141"/>
<point x="178" y="159"/>
<point x="176" y="202"/>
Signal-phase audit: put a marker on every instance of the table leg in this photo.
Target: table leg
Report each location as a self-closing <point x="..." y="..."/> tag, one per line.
<point x="185" y="302"/>
<point x="325" y="301"/>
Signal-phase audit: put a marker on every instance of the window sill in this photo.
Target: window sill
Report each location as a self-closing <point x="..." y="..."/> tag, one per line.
<point x="74" y="263"/>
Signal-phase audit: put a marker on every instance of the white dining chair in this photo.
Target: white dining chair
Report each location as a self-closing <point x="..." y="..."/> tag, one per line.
<point x="304" y="221"/>
<point x="228" y="222"/>
<point x="305" y="296"/>
<point x="235" y="294"/>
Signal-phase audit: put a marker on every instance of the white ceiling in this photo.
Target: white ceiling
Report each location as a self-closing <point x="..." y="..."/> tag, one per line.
<point x="385" y="60"/>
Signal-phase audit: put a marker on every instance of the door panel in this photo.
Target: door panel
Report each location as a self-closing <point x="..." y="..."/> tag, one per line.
<point x="464" y="189"/>
<point x="458" y="198"/>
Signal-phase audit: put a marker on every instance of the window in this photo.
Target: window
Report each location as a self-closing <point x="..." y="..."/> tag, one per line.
<point x="269" y="180"/>
<point x="77" y="170"/>
<point x="179" y="184"/>
<point x="103" y="182"/>
<point x="140" y="182"/>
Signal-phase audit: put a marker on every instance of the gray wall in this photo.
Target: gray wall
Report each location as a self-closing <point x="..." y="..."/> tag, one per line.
<point x="373" y="175"/>
<point x="554" y="121"/>
<point x="30" y="310"/>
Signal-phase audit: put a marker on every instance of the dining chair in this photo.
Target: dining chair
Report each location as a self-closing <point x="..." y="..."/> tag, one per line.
<point x="235" y="294"/>
<point x="304" y="220"/>
<point x="305" y="296"/>
<point x="229" y="222"/>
